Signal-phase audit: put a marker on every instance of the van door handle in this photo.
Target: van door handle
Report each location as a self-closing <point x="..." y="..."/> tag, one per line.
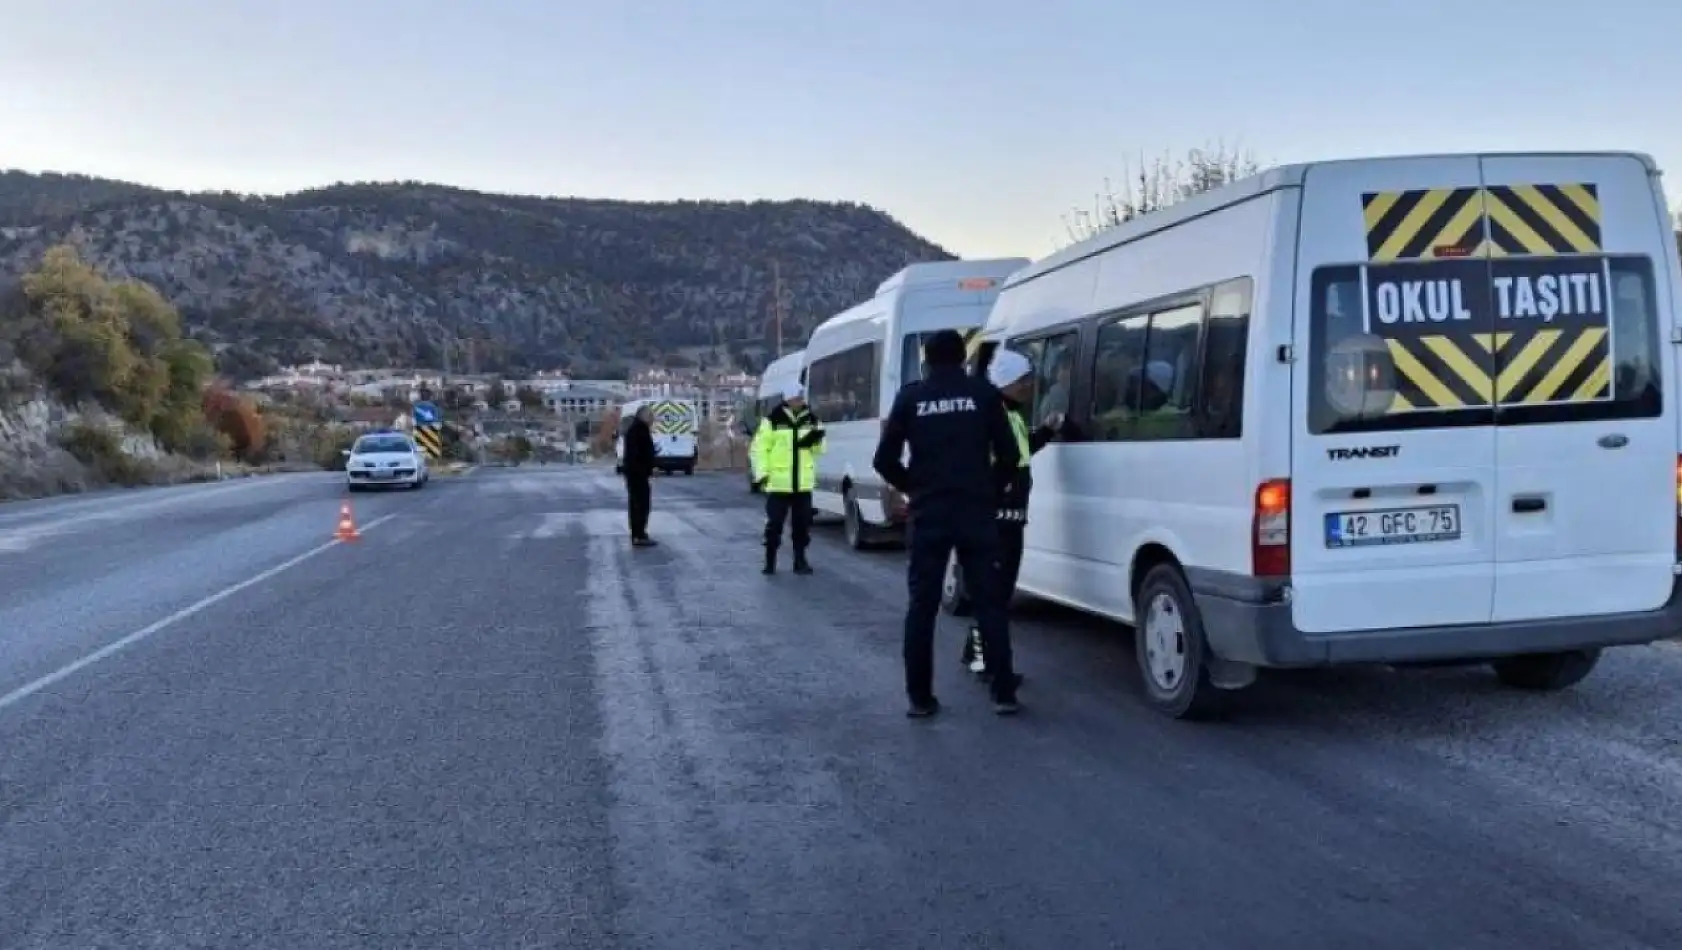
<point x="1526" y="504"/>
<point x="1615" y="440"/>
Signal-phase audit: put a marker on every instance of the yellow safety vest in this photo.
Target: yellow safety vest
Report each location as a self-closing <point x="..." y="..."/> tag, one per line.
<point x="1019" y="428"/>
<point x="776" y="456"/>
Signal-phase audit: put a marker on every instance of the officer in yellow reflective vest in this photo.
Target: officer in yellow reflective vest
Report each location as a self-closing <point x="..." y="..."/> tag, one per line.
<point x="1012" y="374"/>
<point x="784" y="447"/>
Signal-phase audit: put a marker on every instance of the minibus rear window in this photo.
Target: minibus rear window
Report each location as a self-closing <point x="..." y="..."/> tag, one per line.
<point x="1514" y="341"/>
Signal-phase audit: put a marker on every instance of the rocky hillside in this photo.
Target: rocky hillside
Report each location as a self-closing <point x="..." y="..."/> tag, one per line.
<point x="393" y="274"/>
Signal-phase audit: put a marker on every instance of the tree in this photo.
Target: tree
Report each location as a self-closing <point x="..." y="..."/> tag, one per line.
<point x="529" y="398"/>
<point x="236" y="418"/>
<point x="1157" y="184"/>
<point x="601" y="441"/>
<point x="119" y="346"/>
<point x="496" y="395"/>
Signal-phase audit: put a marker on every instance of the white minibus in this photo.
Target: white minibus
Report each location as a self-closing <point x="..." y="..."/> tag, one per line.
<point x="1393" y="410"/>
<point x="857" y="360"/>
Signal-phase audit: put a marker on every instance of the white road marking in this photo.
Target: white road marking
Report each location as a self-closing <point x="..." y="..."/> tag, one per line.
<point x="110" y="649"/>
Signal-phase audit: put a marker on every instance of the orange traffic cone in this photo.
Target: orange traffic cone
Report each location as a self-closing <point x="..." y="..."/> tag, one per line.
<point x="347" y="525"/>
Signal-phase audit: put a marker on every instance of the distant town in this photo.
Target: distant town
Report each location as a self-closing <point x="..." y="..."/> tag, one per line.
<point x="550" y="409"/>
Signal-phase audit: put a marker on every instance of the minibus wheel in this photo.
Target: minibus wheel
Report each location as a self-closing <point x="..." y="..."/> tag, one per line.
<point x="1169" y="643"/>
<point x="1546" y="672"/>
<point x="853" y="527"/>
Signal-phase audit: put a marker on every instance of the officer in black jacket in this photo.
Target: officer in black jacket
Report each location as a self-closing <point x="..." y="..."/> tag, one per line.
<point x="1012" y="374"/>
<point x="962" y="456"/>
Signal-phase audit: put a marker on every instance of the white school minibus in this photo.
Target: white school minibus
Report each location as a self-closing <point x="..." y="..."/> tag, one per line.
<point x="857" y="360"/>
<point x="1394" y="410"/>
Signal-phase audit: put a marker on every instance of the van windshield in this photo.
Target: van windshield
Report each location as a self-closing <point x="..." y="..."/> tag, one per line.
<point x="911" y="354"/>
<point x="1470" y="341"/>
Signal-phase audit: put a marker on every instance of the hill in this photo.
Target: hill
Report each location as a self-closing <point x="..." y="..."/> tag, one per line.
<point x="393" y="274"/>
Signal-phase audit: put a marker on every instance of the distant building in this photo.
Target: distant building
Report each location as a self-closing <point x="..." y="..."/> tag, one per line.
<point x="579" y="400"/>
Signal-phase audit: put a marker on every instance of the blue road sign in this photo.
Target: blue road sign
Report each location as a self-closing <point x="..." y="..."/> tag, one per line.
<point x="426" y="414"/>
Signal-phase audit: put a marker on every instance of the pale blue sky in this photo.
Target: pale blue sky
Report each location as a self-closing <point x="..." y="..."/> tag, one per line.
<point x="977" y="123"/>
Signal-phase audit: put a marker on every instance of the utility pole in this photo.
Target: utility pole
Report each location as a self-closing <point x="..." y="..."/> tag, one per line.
<point x="777" y="302"/>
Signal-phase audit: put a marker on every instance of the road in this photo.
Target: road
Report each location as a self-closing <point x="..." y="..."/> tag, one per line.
<point x="492" y="724"/>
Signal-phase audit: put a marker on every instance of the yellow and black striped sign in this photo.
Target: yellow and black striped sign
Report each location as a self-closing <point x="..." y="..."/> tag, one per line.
<point x="1542" y="220"/>
<point x="1440" y="371"/>
<point x="1423" y="224"/>
<point x="430" y="441"/>
<point x="1533" y="368"/>
<point x="1491" y="221"/>
<point x="672" y="418"/>
<point x="1510" y="332"/>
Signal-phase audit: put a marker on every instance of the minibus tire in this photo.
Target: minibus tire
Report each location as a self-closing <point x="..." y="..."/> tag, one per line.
<point x="853" y="528"/>
<point x="1193" y="695"/>
<point x="1546" y="672"/>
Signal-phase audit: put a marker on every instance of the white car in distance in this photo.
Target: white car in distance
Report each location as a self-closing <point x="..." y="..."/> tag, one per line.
<point x="385" y="459"/>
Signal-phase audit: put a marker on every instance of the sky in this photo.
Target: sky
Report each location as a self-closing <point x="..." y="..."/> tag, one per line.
<point x="980" y="124"/>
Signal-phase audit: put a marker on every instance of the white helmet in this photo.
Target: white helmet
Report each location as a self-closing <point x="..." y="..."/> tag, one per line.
<point x="1007" y="367"/>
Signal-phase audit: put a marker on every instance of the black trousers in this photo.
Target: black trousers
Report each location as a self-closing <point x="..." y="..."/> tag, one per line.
<point x="1012" y="534"/>
<point x="1011" y="537"/>
<point x="975" y="537"/>
<point x="788" y="506"/>
<point x="639" y="496"/>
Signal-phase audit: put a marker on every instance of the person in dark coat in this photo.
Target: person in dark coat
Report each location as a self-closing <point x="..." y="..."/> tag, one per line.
<point x="963" y="454"/>
<point x="638" y="469"/>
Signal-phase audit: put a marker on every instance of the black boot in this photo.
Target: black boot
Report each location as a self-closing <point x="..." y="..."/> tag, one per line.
<point x="800" y="565"/>
<point x="770" y="560"/>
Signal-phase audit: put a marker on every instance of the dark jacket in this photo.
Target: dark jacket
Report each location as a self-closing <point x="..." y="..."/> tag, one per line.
<point x="962" y="451"/>
<point x="1013" y="501"/>
<point x="639" y="450"/>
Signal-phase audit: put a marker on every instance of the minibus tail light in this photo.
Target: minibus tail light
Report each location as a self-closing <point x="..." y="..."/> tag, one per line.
<point x="1270" y="537"/>
<point x="1679" y="507"/>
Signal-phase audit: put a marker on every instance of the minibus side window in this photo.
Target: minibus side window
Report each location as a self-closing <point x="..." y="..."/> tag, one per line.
<point x="1117" y="378"/>
<point x="1169" y="374"/>
<point x="843" y="385"/>
<point x="1226" y="344"/>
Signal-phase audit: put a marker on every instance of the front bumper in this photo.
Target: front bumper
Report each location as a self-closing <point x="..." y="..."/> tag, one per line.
<point x="383" y="478"/>
<point x="1246" y="621"/>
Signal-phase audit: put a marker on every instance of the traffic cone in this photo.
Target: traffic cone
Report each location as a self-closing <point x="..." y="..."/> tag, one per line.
<point x="347" y="525"/>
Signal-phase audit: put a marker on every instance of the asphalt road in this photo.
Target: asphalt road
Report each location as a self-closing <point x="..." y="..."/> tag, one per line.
<point x="492" y="724"/>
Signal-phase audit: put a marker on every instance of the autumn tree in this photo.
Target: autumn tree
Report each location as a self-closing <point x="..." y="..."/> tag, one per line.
<point x="237" y="419"/>
<point x="601" y="441"/>
<point x="1159" y="183"/>
<point x="117" y="345"/>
